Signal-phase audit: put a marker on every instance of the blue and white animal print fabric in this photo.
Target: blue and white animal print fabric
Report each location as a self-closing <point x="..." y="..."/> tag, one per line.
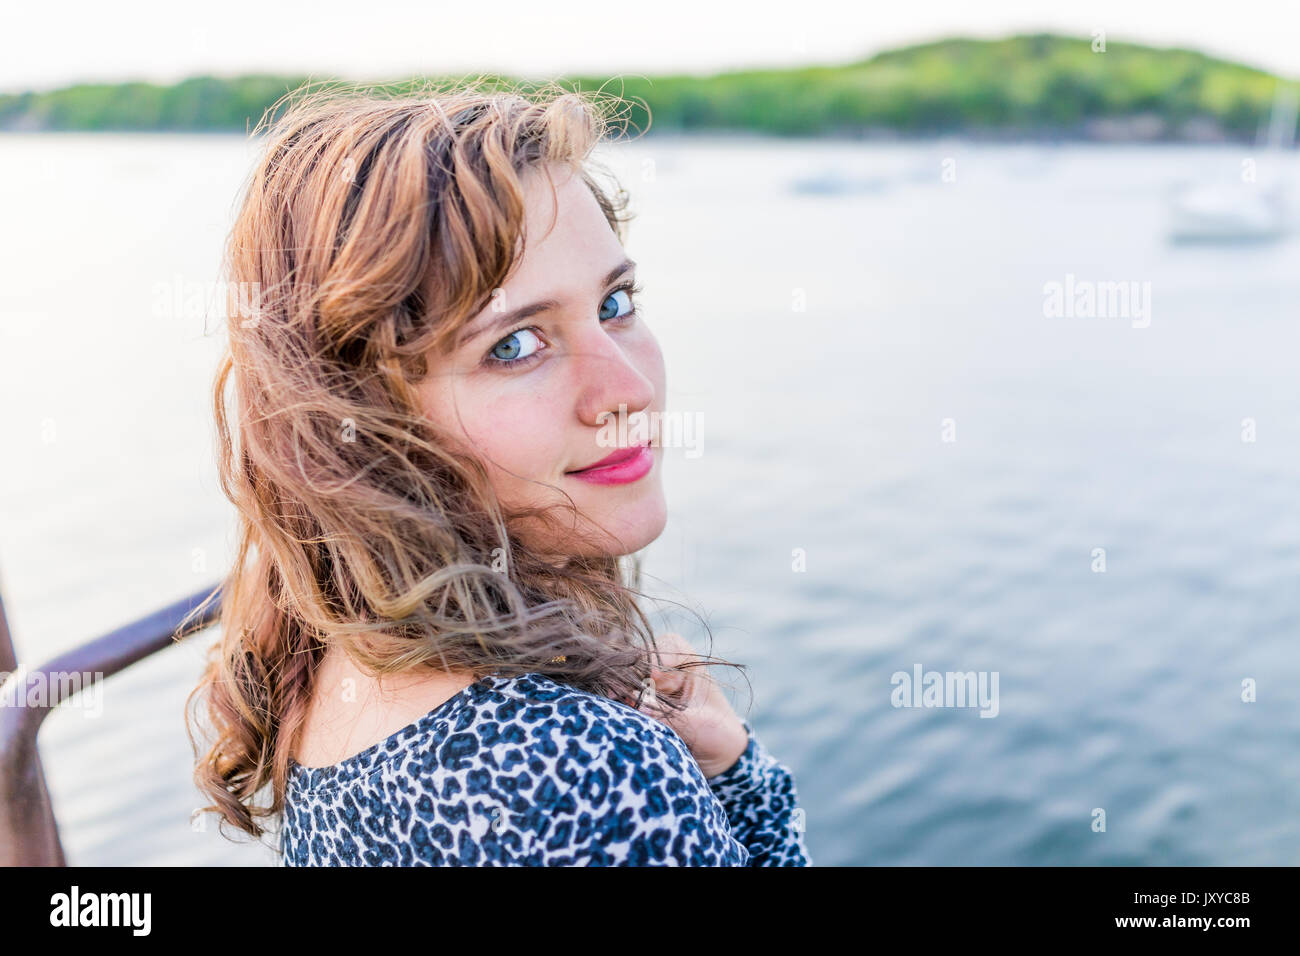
<point x="527" y="771"/>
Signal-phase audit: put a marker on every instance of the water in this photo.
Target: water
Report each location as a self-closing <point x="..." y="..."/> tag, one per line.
<point x="828" y="342"/>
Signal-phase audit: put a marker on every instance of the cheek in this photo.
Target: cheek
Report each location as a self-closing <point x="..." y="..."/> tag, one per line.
<point x="508" y="432"/>
<point x="516" y="435"/>
<point x="649" y="361"/>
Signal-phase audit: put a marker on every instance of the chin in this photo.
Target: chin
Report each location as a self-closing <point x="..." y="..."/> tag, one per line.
<point x="649" y="525"/>
<point x="608" y="527"/>
<point x="632" y="526"/>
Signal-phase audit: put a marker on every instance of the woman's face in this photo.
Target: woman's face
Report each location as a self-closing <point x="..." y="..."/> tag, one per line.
<point x="536" y="396"/>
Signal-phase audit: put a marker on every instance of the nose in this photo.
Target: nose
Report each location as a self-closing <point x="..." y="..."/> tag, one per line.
<point x="608" y="376"/>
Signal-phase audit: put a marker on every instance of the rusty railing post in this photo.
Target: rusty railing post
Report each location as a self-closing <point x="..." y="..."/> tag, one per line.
<point x="29" y="834"/>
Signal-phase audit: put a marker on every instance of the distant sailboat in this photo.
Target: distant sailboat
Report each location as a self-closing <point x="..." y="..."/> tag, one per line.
<point x="837" y="182"/>
<point x="1248" y="211"/>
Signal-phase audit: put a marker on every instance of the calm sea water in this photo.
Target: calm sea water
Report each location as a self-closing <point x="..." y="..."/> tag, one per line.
<point x="884" y="403"/>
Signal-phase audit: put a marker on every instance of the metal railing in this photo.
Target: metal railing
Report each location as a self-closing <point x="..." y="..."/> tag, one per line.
<point x="29" y="834"/>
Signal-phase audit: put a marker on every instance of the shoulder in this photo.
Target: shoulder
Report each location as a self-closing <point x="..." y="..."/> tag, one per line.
<point x="614" y="786"/>
<point x="564" y="731"/>
<point x="529" y="721"/>
<point x="514" y="770"/>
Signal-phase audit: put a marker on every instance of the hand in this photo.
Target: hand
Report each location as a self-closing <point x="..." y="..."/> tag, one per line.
<point x="708" y="726"/>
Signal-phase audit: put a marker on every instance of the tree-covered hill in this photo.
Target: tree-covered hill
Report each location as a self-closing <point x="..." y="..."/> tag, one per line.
<point x="1033" y="86"/>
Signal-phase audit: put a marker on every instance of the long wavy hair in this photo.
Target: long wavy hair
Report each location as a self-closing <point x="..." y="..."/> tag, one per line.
<point x="373" y="227"/>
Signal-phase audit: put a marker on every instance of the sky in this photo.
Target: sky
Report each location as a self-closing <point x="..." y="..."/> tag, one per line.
<point x="50" y="45"/>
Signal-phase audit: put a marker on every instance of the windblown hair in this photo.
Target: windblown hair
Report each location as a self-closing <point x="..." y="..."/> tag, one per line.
<point x="372" y="229"/>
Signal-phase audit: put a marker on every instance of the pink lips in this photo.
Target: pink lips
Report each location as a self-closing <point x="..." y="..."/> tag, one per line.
<point x="625" y="465"/>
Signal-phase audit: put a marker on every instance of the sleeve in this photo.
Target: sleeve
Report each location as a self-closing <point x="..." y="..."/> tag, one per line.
<point x="643" y="801"/>
<point x="762" y="805"/>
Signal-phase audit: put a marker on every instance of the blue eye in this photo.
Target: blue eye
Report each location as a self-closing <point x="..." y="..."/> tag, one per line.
<point x="605" y="314"/>
<point x="510" y="349"/>
<point x="514" y="352"/>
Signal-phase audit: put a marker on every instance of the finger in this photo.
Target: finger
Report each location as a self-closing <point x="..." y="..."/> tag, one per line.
<point x="667" y="680"/>
<point x="673" y="649"/>
<point x="649" y="708"/>
<point x="660" y="683"/>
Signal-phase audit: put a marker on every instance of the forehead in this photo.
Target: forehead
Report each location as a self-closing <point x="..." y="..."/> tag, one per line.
<point x="566" y="236"/>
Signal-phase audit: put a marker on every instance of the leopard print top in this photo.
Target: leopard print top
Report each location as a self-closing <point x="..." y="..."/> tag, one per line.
<point x="526" y="771"/>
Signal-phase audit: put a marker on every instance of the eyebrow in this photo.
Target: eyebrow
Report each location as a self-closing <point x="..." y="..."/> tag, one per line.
<point x="506" y="319"/>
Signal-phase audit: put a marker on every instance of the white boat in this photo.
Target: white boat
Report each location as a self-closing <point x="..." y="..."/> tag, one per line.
<point x="1225" y="213"/>
<point x="837" y="182"/>
<point x="1248" y="211"/>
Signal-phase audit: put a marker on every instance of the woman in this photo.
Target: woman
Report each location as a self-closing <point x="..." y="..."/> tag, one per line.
<point x="431" y="651"/>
